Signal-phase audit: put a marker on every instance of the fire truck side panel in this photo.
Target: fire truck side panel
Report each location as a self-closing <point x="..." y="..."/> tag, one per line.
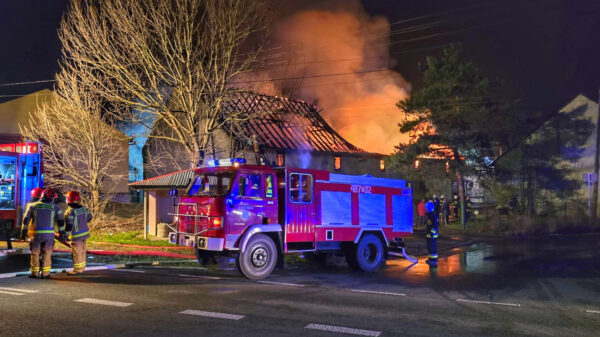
<point x="9" y="189"/>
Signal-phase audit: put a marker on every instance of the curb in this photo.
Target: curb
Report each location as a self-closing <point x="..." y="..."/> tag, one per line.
<point x="104" y="267"/>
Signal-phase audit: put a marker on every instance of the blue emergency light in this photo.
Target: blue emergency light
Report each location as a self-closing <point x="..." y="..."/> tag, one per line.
<point x="226" y="162"/>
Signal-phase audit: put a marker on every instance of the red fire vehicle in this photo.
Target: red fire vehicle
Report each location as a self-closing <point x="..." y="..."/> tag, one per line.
<point x="260" y="213"/>
<point x="20" y="171"/>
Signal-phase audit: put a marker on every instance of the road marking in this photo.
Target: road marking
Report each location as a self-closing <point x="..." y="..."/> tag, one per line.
<point x="104" y="302"/>
<point x="377" y="292"/>
<point x="129" y="270"/>
<point x="212" y="314"/>
<point x="342" y="329"/>
<point x="282" y="283"/>
<point x="592" y="311"/>
<point x="10" y="293"/>
<point x="19" y="290"/>
<point x="488" y="302"/>
<point x="200" y="276"/>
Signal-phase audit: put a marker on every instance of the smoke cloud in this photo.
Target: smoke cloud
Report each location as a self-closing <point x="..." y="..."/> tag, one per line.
<point x="360" y="103"/>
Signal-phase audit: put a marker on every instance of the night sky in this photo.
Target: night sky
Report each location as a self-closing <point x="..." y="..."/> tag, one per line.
<point x="546" y="51"/>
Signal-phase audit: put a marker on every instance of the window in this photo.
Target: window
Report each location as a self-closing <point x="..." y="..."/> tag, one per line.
<point x="301" y="186"/>
<point x="269" y="186"/>
<point x="280" y="160"/>
<point x="382" y="165"/>
<point x="211" y="185"/>
<point x="8" y="170"/>
<point x="337" y="163"/>
<point x="249" y="185"/>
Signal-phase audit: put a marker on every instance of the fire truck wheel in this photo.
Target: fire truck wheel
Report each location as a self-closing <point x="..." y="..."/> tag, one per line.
<point x="259" y="258"/>
<point x="369" y="253"/>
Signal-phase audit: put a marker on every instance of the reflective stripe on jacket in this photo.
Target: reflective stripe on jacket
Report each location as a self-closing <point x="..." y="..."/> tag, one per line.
<point x="44" y="218"/>
<point x="77" y="222"/>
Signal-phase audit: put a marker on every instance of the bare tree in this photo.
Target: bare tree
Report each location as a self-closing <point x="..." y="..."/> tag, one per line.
<point x="81" y="150"/>
<point x="173" y="62"/>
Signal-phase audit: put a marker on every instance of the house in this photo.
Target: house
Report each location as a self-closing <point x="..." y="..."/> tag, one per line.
<point x="287" y="133"/>
<point x="568" y="139"/>
<point x="16" y="112"/>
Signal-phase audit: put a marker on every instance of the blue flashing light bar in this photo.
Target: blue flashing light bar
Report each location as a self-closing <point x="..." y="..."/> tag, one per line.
<point x="226" y="162"/>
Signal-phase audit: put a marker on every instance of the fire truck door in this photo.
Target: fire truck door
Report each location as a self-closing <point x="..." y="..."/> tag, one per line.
<point x="301" y="211"/>
<point x="249" y="203"/>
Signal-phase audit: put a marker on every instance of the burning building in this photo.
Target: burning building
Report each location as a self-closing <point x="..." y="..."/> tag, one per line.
<point x="285" y="133"/>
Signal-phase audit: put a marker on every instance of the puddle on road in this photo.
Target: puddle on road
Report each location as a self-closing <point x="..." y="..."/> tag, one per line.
<point x="560" y="257"/>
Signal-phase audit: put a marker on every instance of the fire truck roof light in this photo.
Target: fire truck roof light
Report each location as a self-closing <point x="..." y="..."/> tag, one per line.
<point x="236" y="162"/>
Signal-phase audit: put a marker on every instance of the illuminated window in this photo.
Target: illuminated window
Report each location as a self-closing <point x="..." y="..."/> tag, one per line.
<point x="280" y="160"/>
<point x="417" y="164"/>
<point x="382" y="165"/>
<point x="337" y="163"/>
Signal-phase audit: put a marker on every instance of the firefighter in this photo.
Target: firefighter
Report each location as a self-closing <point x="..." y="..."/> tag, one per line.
<point x="36" y="195"/>
<point x="432" y="232"/>
<point x="76" y="219"/>
<point x="43" y="217"/>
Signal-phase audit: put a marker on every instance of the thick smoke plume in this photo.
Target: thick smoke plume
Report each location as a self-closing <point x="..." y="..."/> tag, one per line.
<point x="360" y="105"/>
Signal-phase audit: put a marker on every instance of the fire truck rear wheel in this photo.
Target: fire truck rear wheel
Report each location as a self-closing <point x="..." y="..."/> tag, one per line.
<point x="369" y="253"/>
<point x="259" y="258"/>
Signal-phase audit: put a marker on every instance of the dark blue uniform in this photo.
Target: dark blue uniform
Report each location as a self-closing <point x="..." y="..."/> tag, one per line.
<point x="432" y="232"/>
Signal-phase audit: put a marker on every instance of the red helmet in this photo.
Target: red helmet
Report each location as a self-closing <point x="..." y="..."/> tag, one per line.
<point x="73" y="197"/>
<point x="37" y="192"/>
<point x="49" y="194"/>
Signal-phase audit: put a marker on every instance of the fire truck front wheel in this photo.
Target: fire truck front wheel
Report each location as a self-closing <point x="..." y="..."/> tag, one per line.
<point x="369" y="253"/>
<point x="259" y="258"/>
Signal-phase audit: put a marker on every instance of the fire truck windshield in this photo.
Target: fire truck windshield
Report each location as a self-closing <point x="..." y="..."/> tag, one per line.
<point x="214" y="185"/>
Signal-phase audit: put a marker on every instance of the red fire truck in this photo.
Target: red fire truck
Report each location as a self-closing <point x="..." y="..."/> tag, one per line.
<point x="20" y="171"/>
<point x="260" y="213"/>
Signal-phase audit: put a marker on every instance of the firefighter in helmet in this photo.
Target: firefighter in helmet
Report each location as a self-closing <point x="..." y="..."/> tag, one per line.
<point x="36" y="195"/>
<point x="76" y="219"/>
<point x="432" y="232"/>
<point x="43" y="217"/>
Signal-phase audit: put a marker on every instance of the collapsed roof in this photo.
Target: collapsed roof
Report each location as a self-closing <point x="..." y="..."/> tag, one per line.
<point x="286" y="124"/>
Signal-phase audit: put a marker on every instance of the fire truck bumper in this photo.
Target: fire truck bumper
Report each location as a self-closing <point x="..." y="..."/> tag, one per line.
<point x="208" y="243"/>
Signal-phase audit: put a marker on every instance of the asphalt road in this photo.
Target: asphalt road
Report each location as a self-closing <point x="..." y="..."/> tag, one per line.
<point x="482" y="290"/>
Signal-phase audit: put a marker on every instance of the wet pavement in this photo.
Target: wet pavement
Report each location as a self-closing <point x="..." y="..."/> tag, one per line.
<point x="542" y="287"/>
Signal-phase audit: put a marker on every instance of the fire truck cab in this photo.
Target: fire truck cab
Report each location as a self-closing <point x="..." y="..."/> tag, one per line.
<point x="20" y="171"/>
<point x="260" y="214"/>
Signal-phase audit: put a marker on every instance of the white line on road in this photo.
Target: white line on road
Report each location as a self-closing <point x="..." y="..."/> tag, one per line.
<point x="282" y="283"/>
<point x="212" y="314"/>
<point x="200" y="276"/>
<point x="377" y="292"/>
<point x="488" y="302"/>
<point x="592" y="311"/>
<point x="130" y="270"/>
<point x="104" y="302"/>
<point x="10" y="293"/>
<point x="20" y="290"/>
<point x="342" y="329"/>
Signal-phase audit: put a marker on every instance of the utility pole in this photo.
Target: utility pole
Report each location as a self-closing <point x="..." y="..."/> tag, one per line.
<point x="596" y="166"/>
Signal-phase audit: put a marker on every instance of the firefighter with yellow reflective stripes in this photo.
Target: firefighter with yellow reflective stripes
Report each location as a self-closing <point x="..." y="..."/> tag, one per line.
<point x="77" y="218"/>
<point x="432" y="232"/>
<point x="36" y="195"/>
<point x="43" y="218"/>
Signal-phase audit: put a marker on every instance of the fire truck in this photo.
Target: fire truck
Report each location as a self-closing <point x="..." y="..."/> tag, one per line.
<point x="20" y="171"/>
<point x="259" y="213"/>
